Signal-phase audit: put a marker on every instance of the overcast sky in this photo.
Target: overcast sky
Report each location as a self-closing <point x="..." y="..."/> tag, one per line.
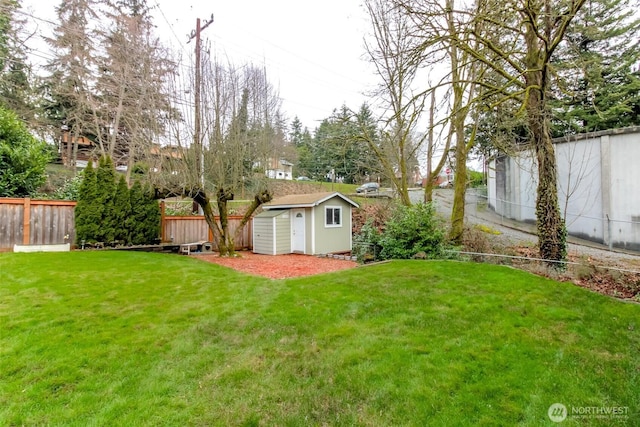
<point x="312" y="50"/>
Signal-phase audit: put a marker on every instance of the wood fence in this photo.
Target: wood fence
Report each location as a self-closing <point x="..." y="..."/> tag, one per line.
<point x="187" y="229"/>
<point x="35" y="222"/>
<point x="46" y="222"/>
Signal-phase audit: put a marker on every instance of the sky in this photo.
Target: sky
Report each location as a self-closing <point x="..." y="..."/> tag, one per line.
<point x="313" y="51"/>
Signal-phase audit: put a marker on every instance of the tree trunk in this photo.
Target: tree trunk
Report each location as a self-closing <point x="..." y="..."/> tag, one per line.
<point x="460" y="181"/>
<point x="202" y="199"/>
<point x="403" y="188"/>
<point x="550" y="226"/>
<point x="74" y="155"/>
<point x="551" y="229"/>
<point x="459" y="189"/>
<point x="226" y="246"/>
<point x="428" y="186"/>
<point x="70" y="136"/>
<point x="260" y="198"/>
<point x="226" y="240"/>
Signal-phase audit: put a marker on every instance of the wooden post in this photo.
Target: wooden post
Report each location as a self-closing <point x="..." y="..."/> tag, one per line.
<point x="26" y="221"/>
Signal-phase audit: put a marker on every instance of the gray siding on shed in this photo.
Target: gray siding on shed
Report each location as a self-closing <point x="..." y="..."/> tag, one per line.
<point x="272" y="233"/>
<point x="320" y="236"/>
<point x="332" y="239"/>
<point x="283" y="233"/>
<point x="263" y="235"/>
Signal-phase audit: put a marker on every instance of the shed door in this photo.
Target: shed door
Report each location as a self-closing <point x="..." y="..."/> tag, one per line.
<point x="297" y="230"/>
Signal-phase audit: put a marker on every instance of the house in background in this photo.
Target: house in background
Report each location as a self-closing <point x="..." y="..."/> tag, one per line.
<point x="84" y="149"/>
<point x="279" y="169"/>
<point x="312" y="224"/>
<point x="598" y="186"/>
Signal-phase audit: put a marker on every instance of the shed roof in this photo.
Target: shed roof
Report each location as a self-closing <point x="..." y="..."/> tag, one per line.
<point x="269" y="214"/>
<point x="305" y="200"/>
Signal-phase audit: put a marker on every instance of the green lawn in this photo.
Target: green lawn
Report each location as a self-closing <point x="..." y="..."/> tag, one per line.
<point x="116" y="338"/>
<point x="339" y="187"/>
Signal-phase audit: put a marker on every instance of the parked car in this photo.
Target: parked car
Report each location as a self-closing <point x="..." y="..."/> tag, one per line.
<point x="446" y="184"/>
<point x="303" y="178"/>
<point x="368" y="187"/>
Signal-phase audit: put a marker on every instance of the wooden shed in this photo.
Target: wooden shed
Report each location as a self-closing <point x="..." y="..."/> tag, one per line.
<point x="318" y="223"/>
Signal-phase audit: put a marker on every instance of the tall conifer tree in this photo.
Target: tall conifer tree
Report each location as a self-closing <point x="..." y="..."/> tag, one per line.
<point x="88" y="211"/>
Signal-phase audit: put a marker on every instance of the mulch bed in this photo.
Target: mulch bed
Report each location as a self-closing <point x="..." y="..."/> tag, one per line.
<point x="279" y="266"/>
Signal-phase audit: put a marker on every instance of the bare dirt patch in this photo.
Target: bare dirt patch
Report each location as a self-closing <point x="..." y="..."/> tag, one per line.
<point x="279" y="266"/>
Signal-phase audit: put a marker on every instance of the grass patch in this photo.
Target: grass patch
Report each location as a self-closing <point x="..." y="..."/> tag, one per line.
<point x="339" y="187"/>
<point x="117" y="338"/>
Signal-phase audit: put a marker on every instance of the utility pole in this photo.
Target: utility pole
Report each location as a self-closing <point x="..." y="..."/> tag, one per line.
<point x="197" y="139"/>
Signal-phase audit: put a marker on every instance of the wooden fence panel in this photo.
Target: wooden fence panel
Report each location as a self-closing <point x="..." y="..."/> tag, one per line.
<point x="187" y="229"/>
<point x="35" y="222"/>
<point x="11" y="224"/>
<point x="51" y="224"/>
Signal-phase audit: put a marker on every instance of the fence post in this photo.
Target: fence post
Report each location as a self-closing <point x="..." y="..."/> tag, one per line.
<point x="26" y="221"/>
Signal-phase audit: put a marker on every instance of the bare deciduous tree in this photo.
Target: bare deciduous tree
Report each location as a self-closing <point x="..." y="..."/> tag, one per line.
<point x="515" y="40"/>
<point x="133" y="102"/>
<point x="391" y="52"/>
<point x="242" y="130"/>
<point x="108" y="83"/>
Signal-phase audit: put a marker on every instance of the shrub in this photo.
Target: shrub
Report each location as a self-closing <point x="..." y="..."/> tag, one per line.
<point x="414" y="230"/>
<point x="476" y="179"/>
<point x="374" y="212"/>
<point x="411" y="232"/>
<point x="69" y="190"/>
<point x="366" y="243"/>
<point x="23" y="158"/>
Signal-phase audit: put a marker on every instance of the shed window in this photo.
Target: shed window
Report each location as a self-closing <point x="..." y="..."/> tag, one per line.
<point x="333" y="216"/>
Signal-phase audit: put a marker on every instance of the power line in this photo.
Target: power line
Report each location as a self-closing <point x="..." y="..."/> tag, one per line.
<point x="170" y="26"/>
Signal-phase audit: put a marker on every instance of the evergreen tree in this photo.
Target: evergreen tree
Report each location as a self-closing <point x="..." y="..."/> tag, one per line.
<point x="299" y="136"/>
<point x="122" y="212"/>
<point x="136" y="197"/>
<point x="369" y="164"/>
<point x="88" y="212"/>
<point x="338" y="147"/>
<point x="152" y="219"/>
<point x="68" y="93"/>
<point x="599" y="64"/>
<point x="105" y="194"/>
<point x="15" y="86"/>
<point x="132" y="83"/>
<point x="144" y="221"/>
